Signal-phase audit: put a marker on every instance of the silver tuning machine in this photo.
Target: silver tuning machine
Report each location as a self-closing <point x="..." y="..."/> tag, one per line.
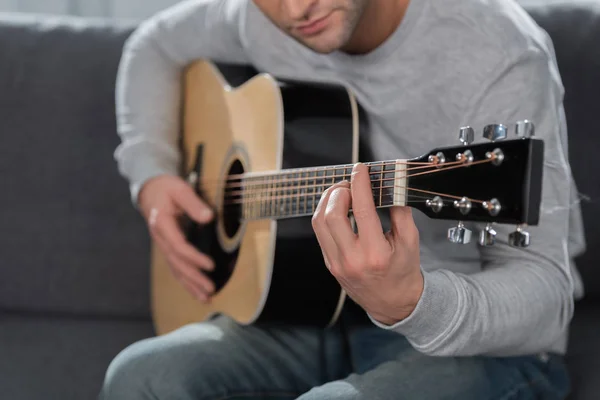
<point x="466" y="135"/>
<point x="519" y="238"/>
<point x="525" y="129"/>
<point x="495" y="132"/>
<point x="487" y="237"/>
<point x="459" y="234"/>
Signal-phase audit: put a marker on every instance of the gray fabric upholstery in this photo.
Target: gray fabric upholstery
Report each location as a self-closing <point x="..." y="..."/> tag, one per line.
<point x="574" y="27"/>
<point x="70" y="239"/>
<point x="575" y="30"/>
<point x="60" y="358"/>
<point x="583" y="357"/>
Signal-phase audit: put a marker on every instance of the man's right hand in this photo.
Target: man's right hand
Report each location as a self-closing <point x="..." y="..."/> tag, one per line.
<point x="163" y="200"/>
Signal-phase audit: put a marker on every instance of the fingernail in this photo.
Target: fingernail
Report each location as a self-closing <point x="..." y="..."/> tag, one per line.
<point x="207" y="213"/>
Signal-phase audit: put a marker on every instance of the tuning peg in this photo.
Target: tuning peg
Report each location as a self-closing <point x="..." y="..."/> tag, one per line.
<point x="495" y="132"/>
<point x="525" y="129"/>
<point x="487" y="237"/>
<point x="519" y="238"/>
<point x="466" y="135"/>
<point x="459" y="234"/>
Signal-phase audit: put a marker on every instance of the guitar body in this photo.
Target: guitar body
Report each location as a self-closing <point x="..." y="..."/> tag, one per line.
<point x="268" y="271"/>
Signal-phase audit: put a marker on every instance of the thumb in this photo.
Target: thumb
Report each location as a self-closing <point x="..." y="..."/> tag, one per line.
<point x="192" y="205"/>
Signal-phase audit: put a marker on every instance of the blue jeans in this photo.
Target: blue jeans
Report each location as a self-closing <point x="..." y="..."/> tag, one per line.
<point x="221" y="360"/>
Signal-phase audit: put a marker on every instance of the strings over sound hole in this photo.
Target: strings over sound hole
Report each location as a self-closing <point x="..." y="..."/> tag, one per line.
<point x="232" y="201"/>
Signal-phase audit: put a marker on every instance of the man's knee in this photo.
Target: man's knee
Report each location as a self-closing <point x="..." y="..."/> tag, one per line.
<point x="162" y="367"/>
<point x="133" y="373"/>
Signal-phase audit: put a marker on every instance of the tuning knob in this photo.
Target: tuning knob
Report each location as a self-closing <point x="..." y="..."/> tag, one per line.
<point x="487" y="237"/>
<point x="495" y="132"/>
<point x="459" y="234"/>
<point x="525" y="129"/>
<point x="466" y="135"/>
<point x="519" y="238"/>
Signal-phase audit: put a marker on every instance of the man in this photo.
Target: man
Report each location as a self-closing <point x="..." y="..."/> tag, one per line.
<point x="444" y="321"/>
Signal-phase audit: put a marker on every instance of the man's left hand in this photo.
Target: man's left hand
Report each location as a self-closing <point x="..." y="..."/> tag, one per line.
<point x="379" y="271"/>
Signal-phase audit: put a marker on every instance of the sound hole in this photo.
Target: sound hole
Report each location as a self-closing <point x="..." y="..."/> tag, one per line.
<point x="232" y="206"/>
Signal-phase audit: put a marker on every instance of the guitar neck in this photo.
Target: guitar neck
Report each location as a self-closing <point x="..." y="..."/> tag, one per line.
<point x="296" y="192"/>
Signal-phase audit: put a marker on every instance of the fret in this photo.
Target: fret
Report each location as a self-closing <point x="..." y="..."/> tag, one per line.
<point x="304" y="190"/>
<point x="270" y="188"/>
<point x="377" y="183"/>
<point x="319" y="188"/>
<point x="381" y="184"/>
<point x="255" y="199"/>
<point x="312" y="191"/>
<point x="290" y="193"/>
<point x="340" y="174"/>
<point x="297" y="194"/>
<point x="275" y="198"/>
<point x="265" y="196"/>
<point x="283" y="195"/>
<point x="261" y="198"/>
<point x="389" y="177"/>
<point x="242" y="197"/>
<point x="331" y="173"/>
<point x="248" y="199"/>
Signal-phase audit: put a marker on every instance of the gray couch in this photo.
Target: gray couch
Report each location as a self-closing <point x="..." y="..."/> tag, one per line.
<point x="74" y="283"/>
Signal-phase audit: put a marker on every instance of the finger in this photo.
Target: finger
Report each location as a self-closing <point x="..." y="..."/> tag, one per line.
<point x="192" y="205"/>
<point x="403" y="224"/>
<point x="368" y="223"/>
<point x="326" y="242"/>
<point x="192" y="275"/>
<point x="338" y="222"/>
<point x="191" y="288"/>
<point x="197" y="293"/>
<point x="169" y="230"/>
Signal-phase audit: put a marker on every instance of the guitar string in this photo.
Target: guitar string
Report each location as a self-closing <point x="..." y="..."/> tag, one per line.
<point x="311" y="169"/>
<point x="247" y="186"/>
<point x="296" y="196"/>
<point x="266" y="210"/>
<point x="254" y="201"/>
<point x="290" y="209"/>
<point x="268" y="178"/>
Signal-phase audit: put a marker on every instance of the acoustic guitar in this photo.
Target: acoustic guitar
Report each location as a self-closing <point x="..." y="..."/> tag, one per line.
<point x="260" y="151"/>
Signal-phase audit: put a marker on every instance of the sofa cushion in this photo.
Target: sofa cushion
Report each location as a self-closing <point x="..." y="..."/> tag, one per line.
<point x="61" y="358"/>
<point x="583" y="358"/>
<point x="70" y="240"/>
<point x="574" y="26"/>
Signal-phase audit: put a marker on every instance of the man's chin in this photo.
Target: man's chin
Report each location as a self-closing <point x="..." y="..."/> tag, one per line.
<point x="321" y="45"/>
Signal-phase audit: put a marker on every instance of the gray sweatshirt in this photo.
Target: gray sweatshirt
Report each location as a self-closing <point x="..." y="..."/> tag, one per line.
<point x="450" y="63"/>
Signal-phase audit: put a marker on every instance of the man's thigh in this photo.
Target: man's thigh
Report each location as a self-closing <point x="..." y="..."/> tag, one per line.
<point x="387" y="367"/>
<point x="222" y="360"/>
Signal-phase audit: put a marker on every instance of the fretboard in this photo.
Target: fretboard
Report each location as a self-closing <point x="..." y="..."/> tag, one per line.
<point x="296" y="192"/>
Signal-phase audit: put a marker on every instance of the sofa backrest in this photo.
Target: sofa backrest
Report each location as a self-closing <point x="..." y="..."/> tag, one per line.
<point x="574" y="26"/>
<point x="70" y="240"/>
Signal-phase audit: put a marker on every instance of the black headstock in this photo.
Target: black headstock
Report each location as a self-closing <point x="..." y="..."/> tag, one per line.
<point x="497" y="181"/>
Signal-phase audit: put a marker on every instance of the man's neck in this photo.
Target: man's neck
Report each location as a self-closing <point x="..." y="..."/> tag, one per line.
<point x="379" y="20"/>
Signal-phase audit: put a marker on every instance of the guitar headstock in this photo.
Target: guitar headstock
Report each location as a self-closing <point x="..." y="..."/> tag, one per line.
<point x="499" y="181"/>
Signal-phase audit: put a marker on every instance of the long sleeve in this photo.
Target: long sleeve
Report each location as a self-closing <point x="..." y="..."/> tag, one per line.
<point x="149" y="79"/>
<point x="521" y="301"/>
